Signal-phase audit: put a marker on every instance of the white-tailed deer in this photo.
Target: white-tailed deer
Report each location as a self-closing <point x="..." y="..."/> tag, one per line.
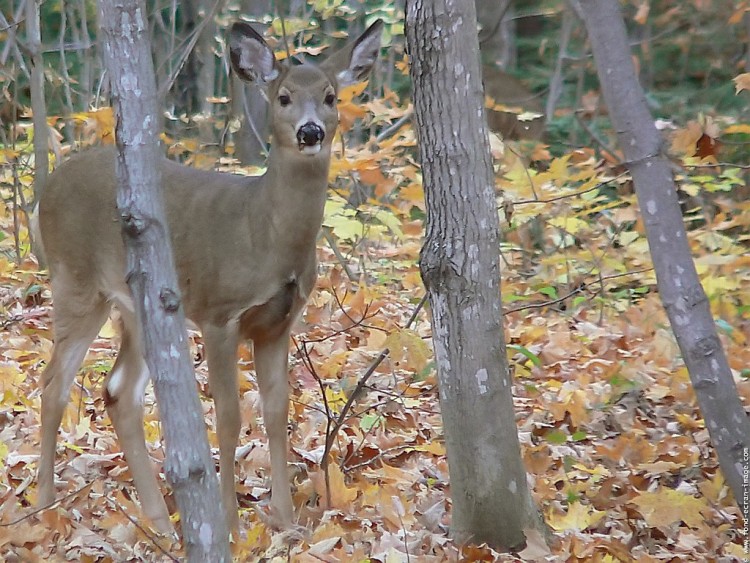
<point x="244" y="250"/>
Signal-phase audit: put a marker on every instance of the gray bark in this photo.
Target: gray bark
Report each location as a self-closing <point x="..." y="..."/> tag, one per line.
<point x="188" y="465"/>
<point x="249" y="105"/>
<point x="41" y="134"/>
<point x="680" y="289"/>
<point x="496" y="36"/>
<point x="461" y="271"/>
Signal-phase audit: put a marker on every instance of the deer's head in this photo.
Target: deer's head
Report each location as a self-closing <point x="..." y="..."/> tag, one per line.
<point x="302" y="98"/>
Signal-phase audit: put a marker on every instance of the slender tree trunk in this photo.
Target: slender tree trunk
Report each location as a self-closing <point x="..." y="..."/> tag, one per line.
<point x="679" y="286"/>
<point x="38" y="107"/>
<point x="493" y="39"/>
<point x="461" y="271"/>
<point x="151" y="277"/>
<point x="249" y="105"/>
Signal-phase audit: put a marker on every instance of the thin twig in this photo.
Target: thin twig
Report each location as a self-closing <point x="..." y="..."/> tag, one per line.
<point x="151" y="538"/>
<point x="578" y="289"/>
<point x="46" y="506"/>
<point x="572" y="194"/>
<point x="337" y="253"/>
<point x="395" y="126"/>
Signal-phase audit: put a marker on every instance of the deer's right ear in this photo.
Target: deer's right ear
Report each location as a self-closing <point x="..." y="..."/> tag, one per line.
<point x="252" y="58"/>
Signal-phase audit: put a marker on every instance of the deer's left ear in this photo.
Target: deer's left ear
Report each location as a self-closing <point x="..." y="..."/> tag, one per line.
<point x="252" y="59"/>
<point x="354" y="62"/>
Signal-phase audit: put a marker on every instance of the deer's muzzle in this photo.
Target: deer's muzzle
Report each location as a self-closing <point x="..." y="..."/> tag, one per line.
<point x="310" y="136"/>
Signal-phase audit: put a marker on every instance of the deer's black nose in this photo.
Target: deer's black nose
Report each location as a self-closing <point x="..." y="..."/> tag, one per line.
<point x="310" y="134"/>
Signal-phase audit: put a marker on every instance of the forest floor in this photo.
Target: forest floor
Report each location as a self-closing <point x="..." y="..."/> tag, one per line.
<point x="618" y="456"/>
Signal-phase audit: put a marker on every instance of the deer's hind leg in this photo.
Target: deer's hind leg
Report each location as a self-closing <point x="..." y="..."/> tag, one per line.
<point x="78" y="316"/>
<point x="124" y="389"/>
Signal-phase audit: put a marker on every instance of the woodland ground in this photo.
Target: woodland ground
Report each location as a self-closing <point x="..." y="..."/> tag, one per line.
<point x="618" y="456"/>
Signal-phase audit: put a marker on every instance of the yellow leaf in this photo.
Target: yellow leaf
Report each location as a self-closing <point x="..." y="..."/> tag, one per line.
<point x="407" y="347"/>
<point x="578" y="407"/>
<point x="414" y="194"/>
<point x="347" y="94"/>
<point x="340" y="219"/>
<point x="77" y="449"/>
<point x="596" y="471"/>
<point x="107" y="330"/>
<point x="558" y="168"/>
<point x="713" y="490"/>
<point x="571" y="225"/>
<point x="739" y="128"/>
<point x="335" y="398"/>
<point x="152" y="431"/>
<point x="341" y="495"/>
<point x="579" y="517"/>
<point x="391" y="221"/>
<point x="667" y="506"/>
<point x="736" y="552"/>
<point x="434" y="448"/>
<point x="331" y="366"/>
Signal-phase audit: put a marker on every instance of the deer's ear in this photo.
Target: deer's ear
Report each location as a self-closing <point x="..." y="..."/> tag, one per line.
<point x="252" y="59"/>
<point x="354" y="62"/>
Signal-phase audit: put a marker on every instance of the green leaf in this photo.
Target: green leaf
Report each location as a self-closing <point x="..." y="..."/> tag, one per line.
<point x="388" y="219"/>
<point x="526" y="352"/>
<point x="370" y="421"/>
<point x="549" y="291"/>
<point x="556" y="437"/>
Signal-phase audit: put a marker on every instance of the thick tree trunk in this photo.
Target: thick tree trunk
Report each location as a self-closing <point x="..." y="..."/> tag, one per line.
<point x="461" y="271"/>
<point x="679" y="286"/>
<point x="188" y="464"/>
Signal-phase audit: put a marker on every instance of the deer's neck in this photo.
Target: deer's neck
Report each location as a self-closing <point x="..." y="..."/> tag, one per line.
<point x="296" y="187"/>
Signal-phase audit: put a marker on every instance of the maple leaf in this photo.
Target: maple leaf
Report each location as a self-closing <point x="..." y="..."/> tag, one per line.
<point x="408" y="347"/>
<point x="579" y="517"/>
<point x="667" y="506"/>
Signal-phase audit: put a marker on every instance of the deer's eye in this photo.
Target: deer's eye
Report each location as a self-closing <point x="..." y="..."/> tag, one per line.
<point x="330" y="99"/>
<point x="285" y="99"/>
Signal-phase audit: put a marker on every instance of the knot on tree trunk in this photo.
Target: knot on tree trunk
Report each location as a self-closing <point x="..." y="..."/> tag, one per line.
<point x="170" y="299"/>
<point x="133" y="224"/>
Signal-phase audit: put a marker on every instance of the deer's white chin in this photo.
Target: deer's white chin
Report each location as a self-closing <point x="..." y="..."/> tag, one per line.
<point x="310" y="149"/>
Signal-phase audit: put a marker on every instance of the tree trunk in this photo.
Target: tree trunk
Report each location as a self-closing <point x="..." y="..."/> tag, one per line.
<point x="681" y="292"/>
<point x="495" y="41"/>
<point x="38" y="107"/>
<point x="461" y="271"/>
<point x="249" y="105"/>
<point x="151" y="277"/>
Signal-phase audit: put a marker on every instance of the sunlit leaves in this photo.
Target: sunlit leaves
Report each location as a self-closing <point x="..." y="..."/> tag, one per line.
<point x="667" y="506"/>
<point x="578" y="518"/>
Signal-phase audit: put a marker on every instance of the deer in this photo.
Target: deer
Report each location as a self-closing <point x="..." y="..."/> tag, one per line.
<point x="245" y="256"/>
